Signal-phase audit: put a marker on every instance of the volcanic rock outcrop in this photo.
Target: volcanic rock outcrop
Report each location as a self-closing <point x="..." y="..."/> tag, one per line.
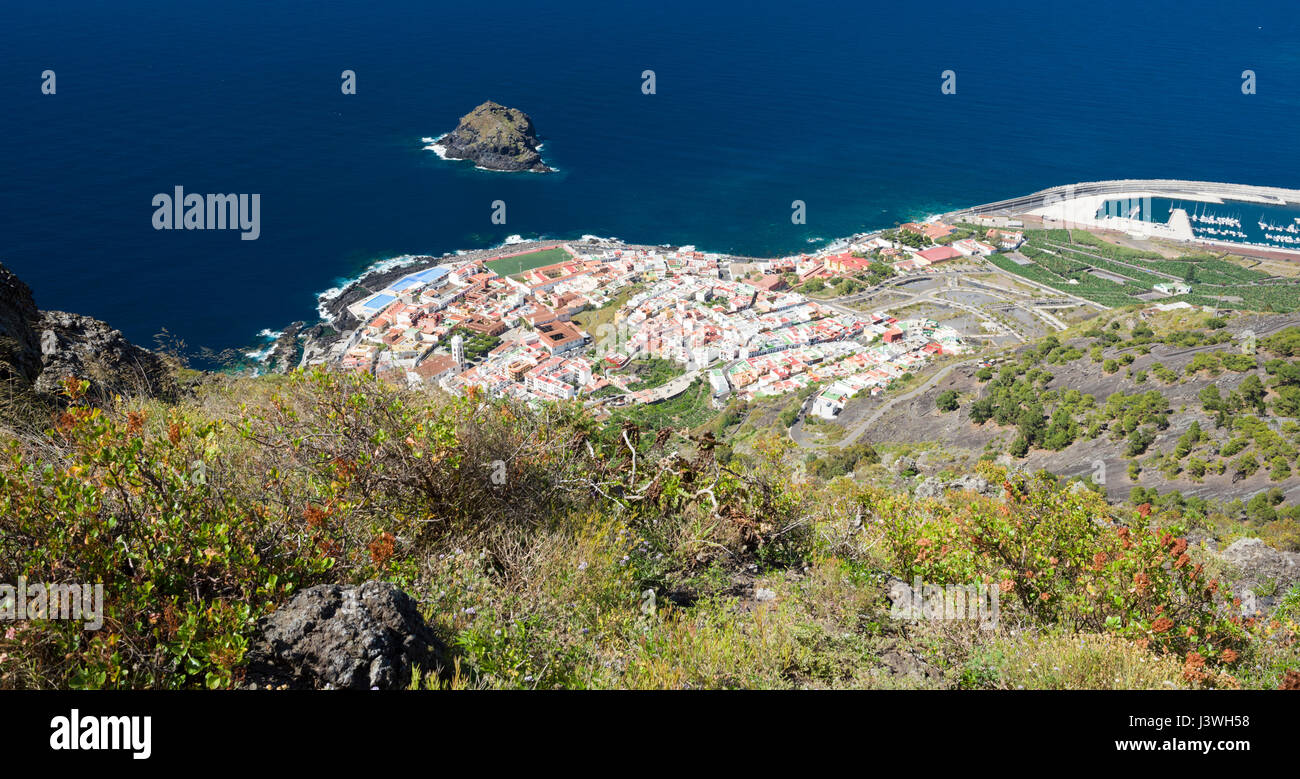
<point x="496" y="138"/>
<point x="339" y="638"/>
<point x="39" y="350"/>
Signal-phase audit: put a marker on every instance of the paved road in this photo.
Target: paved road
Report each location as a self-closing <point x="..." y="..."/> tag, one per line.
<point x="936" y="297"/>
<point x="670" y="389"/>
<point x="899" y="281"/>
<point x="858" y="428"/>
<point x="1053" y="291"/>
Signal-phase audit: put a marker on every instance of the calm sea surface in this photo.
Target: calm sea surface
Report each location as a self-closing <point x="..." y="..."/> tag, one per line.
<point x="758" y="104"/>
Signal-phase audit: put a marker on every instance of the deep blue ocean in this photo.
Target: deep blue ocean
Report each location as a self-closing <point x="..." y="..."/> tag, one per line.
<point x="758" y="104"/>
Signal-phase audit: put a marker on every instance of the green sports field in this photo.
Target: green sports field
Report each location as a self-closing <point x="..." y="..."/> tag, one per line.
<point x="509" y="266"/>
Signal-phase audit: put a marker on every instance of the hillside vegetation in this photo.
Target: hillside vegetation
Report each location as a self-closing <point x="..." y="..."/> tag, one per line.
<point x="1184" y="408"/>
<point x="549" y="549"/>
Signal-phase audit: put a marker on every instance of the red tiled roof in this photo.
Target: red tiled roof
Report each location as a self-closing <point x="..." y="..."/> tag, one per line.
<point x="940" y="253"/>
<point x="435" y="365"/>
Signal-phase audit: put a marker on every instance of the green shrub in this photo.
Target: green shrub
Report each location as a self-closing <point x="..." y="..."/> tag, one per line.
<point x="1058" y="561"/>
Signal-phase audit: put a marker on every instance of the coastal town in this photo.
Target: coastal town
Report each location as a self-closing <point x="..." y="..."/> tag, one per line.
<point x="513" y="324"/>
<point x="615" y="325"/>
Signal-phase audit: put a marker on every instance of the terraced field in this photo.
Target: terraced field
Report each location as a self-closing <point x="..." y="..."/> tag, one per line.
<point x="1071" y="261"/>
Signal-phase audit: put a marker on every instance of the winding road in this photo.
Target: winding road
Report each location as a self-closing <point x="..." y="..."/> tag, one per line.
<point x="857" y="429"/>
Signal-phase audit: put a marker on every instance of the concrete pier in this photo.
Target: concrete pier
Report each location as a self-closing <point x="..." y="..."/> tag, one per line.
<point x="1201" y="191"/>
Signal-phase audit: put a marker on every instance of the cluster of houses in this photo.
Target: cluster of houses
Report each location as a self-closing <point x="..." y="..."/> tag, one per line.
<point x="905" y="347"/>
<point x="415" y="328"/>
<point x="758" y="337"/>
<point x="761" y="341"/>
<point x="786" y="371"/>
<point x="865" y="251"/>
<point x="849" y="366"/>
<point x="700" y="320"/>
<point x="527" y="370"/>
<point x="545" y="360"/>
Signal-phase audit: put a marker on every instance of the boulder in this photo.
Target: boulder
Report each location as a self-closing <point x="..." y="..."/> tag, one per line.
<point x="336" y="637"/>
<point x="1260" y="564"/>
<point x="897" y="591"/>
<point x="72" y="345"/>
<point x="904" y="464"/>
<point x="906" y="663"/>
<point x="933" y="487"/>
